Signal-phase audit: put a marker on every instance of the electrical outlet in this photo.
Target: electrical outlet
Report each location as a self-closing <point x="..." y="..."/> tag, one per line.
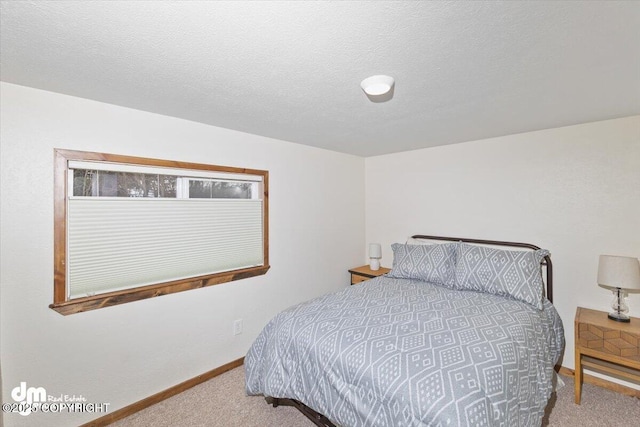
<point x="237" y="327"/>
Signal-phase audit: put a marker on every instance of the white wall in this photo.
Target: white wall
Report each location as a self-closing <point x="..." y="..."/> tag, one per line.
<point x="128" y="352"/>
<point x="573" y="190"/>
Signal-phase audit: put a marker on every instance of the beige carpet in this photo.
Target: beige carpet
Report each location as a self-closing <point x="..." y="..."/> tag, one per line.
<point x="222" y="402"/>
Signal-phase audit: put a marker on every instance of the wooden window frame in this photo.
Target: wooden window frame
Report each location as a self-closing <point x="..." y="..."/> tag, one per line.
<point x="65" y="306"/>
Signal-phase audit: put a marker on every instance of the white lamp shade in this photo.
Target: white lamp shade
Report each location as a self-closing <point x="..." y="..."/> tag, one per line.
<point x="619" y="272"/>
<point x="375" y="250"/>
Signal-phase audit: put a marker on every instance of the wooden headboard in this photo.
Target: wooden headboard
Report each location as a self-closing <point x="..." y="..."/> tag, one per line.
<point x="546" y="262"/>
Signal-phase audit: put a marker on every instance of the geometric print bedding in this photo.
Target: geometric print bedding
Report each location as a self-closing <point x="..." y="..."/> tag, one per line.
<point x="400" y="352"/>
<point x="429" y="263"/>
<point x="514" y="274"/>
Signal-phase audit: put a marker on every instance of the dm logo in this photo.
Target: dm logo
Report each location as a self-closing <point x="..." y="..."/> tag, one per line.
<point x="28" y="396"/>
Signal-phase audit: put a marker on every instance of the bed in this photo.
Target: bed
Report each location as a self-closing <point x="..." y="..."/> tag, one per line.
<point x="459" y="333"/>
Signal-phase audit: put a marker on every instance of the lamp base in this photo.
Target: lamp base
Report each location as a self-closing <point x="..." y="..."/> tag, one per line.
<point x="374" y="264"/>
<point x="619" y="317"/>
<point x="619" y="306"/>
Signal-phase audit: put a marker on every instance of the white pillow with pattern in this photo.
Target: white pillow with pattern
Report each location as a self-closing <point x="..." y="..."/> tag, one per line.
<point x="515" y="274"/>
<point x="429" y="263"/>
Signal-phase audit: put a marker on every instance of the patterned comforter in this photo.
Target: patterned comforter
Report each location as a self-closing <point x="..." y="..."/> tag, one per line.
<point x="398" y="352"/>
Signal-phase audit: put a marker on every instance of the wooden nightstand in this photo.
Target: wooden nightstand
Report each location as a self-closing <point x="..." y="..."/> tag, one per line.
<point x="606" y="345"/>
<point x="363" y="273"/>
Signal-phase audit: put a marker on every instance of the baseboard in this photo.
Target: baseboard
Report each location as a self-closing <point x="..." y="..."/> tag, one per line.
<point x="609" y="385"/>
<point x="159" y="397"/>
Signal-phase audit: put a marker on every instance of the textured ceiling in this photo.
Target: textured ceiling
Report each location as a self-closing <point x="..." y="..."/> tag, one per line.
<point x="291" y="70"/>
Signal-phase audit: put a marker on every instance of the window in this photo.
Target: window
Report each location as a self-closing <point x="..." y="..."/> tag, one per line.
<point x="129" y="228"/>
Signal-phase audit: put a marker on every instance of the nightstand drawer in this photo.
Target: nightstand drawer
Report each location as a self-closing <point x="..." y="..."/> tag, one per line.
<point x="357" y="279"/>
<point x="364" y="273"/>
<point x="608" y="340"/>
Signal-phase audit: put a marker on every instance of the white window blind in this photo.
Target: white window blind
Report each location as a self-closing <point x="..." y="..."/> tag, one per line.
<point x="120" y="243"/>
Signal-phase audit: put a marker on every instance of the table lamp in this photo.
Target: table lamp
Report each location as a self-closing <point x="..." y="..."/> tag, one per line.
<point x="619" y="273"/>
<point x="375" y="253"/>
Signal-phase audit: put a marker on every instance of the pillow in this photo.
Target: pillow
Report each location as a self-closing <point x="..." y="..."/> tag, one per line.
<point x="515" y="274"/>
<point x="430" y="263"/>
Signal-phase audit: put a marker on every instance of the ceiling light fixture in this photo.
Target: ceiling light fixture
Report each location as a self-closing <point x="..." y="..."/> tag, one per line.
<point x="378" y="88"/>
